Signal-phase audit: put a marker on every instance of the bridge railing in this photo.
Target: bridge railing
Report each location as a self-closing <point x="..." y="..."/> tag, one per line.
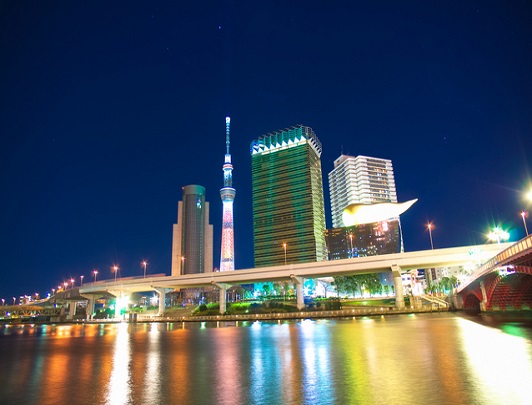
<point x="500" y="259"/>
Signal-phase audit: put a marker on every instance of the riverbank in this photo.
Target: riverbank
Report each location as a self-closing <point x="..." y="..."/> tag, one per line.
<point x="343" y="313"/>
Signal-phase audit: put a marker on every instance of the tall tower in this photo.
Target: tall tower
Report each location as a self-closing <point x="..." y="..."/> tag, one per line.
<point x="287" y="192"/>
<point x="227" y="193"/>
<point x="359" y="180"/>
<point x="192" y="235"/>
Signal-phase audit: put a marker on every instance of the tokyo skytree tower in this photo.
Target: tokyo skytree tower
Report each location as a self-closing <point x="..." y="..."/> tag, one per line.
<point x="227" y="193"/>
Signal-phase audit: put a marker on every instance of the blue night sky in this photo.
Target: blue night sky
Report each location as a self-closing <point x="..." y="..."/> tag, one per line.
<point x="108" y="108"/>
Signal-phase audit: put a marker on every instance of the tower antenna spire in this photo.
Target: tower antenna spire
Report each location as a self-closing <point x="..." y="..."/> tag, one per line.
<point x="227" y="123"/>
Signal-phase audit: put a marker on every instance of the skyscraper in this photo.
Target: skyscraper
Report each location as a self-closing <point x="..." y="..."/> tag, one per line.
<point x="359" y="180"/>
<point x="287" y="192"/>
<point x="227" y="193"/>
<point x="192" y="235"/>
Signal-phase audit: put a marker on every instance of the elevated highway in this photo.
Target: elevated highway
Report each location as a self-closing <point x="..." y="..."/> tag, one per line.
<point x="394" y="263"/>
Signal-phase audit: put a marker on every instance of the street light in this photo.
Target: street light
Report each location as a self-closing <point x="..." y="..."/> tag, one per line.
<point x="95" y="272"/>
<point x="351" y="238"/>
<point x="429" y="227"/>
<point x="65" y="284"/>
<point x="72" y="281"/>
<point x="524" y="215"/>
<point x="182" y="263"/>
<point x="145" y="264"/>
<point x="53" y="291"/>
<point x="115" y="268"/>
<point x="3" y="302"/>
<point x="284" y="247"/>
<point x="14" y="300"/>
<point x="497" y="234"/>
<point x="81" y="277"/>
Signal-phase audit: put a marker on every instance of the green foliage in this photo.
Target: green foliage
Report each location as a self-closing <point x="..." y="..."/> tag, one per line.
<point x="358" y="283"/>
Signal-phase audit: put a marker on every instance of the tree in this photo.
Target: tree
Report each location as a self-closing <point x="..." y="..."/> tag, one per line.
<point x="340" y="284"/>
<point x="386" y="289"/>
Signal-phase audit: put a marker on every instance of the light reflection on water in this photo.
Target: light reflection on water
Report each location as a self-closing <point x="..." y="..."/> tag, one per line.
<point x="430" y="358"/>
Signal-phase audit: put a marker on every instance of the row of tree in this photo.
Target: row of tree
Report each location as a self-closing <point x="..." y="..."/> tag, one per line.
<point x="361" y="283"/>
<point x="446" y="284"/>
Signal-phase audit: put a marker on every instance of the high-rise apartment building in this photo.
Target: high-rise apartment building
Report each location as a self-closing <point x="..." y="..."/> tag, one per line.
<point x="359" y="180"/>
<point x="227" y="194"/>
<point x="287" y="192"/>
<point x="192" y="241"/>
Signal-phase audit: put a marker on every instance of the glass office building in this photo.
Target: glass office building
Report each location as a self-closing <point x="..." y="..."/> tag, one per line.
<point x="192" y="235"/>
<point x="287" y="192"/>
<point x="377" y="238"/>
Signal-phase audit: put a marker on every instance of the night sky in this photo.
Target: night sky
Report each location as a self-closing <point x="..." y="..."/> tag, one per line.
<point x="108" y="108"/>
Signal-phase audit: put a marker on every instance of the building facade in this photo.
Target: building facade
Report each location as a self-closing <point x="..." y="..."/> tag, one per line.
<point x="227" y="194"/>
<point x="359" y="180"/>
<point x="287" y="193"/>
<point x="192" y="242"/>
<point x="377" y="238"/>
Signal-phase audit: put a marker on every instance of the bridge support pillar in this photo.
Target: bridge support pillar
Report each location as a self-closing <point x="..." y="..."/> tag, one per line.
<point x="484" y="302"/>
<point x="72" y="309"/>
<point x="162" y="299"/>
<point x="299" y="291"/>
<point x="223" y="295"/>
<point x="118" y="295"/>
<point x="91" y="301"/>
<point x="398" y="286"/>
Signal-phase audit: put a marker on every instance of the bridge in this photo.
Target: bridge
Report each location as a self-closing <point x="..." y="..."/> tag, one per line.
<point x="395" y="263"/>
<point x="504" y="283"/>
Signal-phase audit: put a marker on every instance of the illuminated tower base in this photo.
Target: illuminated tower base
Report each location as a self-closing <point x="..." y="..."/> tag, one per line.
<point x="227" y="260"/>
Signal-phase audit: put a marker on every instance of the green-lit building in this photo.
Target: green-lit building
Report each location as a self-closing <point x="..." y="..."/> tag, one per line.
<point x="287" y="191"/>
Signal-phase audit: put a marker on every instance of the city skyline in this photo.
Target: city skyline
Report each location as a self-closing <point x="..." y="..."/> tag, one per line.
<point x="106" y="115"/>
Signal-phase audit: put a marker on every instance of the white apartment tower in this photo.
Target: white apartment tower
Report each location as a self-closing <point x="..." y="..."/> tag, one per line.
<point x="359" y="180"/>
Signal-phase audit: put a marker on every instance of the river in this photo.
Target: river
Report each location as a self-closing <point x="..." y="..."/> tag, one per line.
<point x="441" y="358"/>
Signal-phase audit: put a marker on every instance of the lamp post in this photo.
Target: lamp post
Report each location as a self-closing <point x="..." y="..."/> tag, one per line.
<point x="72" y="281"/>
<point x="524" y="215"/>
<point x="145" y="264"/>
<point x="429" y="227"/>
<point x="115" y="268"/>
<point x="182" y="264"/>
<point x="14" y="300"/>
<point x="65" y="284"/>
<point x="3" y="302"/>
<point x="53" y="291"/>
<point x="284" y="247"/>
<point x="95" y="272"/>
<point x="351" y="239"/>
<point x="81" y="284"/>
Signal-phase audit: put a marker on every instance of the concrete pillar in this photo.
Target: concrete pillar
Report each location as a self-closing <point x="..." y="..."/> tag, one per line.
<point x="484" y="302"/>
<point x="162" y="298"/>
<point x="398" y="286"/>
<point x="223" y="295"/>
<point x="91" y="301"/>
<point x="72" y="309"/>
<point x="299" y="291"/>
<point x="117" y="295"/>
<point x="90" y="307"/>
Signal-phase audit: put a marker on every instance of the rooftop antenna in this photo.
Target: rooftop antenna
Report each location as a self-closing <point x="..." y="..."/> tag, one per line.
<point x="227" y="123"/>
